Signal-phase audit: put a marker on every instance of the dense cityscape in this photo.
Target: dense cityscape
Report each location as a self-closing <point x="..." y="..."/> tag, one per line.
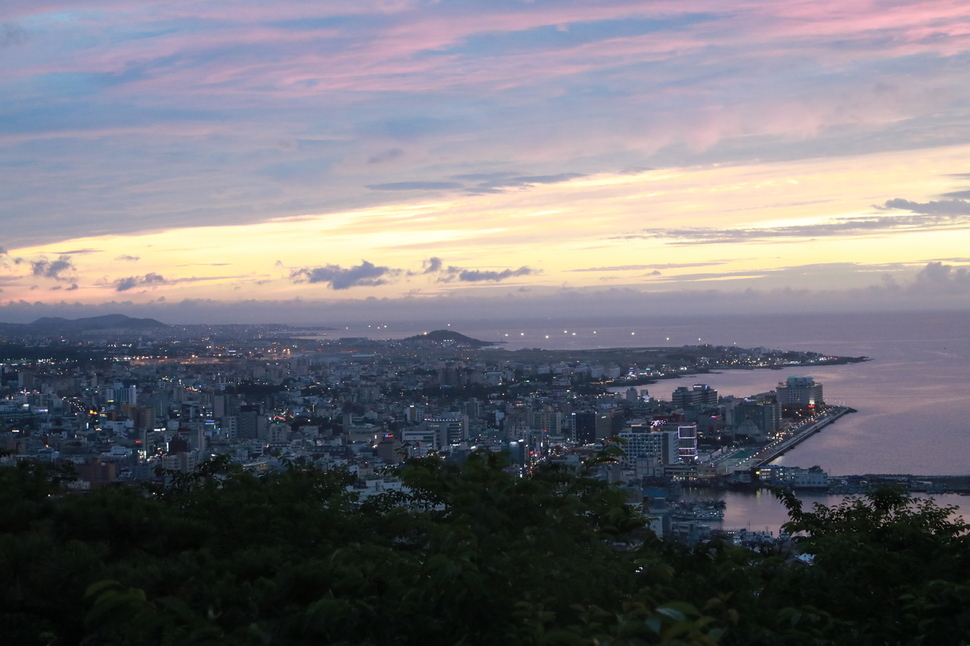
<point x="243" y="484"/>
<point x="133" y="400"/>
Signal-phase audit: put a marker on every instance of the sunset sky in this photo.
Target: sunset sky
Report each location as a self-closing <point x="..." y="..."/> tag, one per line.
<point x="303" y="162"/>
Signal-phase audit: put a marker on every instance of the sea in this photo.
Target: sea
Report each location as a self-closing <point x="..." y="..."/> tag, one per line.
<point x="912" y="394"/>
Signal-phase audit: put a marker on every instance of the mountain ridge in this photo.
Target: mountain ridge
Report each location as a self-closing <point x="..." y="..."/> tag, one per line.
<point x="59" y="325"/>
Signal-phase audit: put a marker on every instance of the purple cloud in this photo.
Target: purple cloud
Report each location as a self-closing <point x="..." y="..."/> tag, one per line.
<point x="477" y="276"/>
<point x="432" y="265"/>
<point x="54" y="269"/>
<point x="939" y="207"/>
<point x="131" y="282"/>
<point x="386" y="156"/>
<point x="451" y="273"/>
<point x="937" y="277"/>
<point x="366" y="274"/>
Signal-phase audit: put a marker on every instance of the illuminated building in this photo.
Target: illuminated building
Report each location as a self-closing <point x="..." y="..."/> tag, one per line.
<point x="647" y="452"/>
<point x="448" y="430"/>
<point x="687" y="443"/>
<point x="697" y="395"/>
<point x="764" y="415"/>
<point x="799" y="392"/>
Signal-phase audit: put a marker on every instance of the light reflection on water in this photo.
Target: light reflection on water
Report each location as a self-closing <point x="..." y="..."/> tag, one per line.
<point x="760" y="510"/>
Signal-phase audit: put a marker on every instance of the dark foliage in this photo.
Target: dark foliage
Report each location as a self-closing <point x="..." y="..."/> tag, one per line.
<point x="467" y="554"/>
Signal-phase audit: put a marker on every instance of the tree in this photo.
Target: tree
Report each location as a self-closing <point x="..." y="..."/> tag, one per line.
<point x="469" y="554"/>
<point x="887" y="569"/>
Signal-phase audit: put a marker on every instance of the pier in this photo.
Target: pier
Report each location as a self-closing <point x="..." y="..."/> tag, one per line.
<point x="798" y="435"/>
<point x="745" y="459"/>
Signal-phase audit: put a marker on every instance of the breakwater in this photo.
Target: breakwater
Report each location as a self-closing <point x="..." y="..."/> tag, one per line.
<point x="797" y="435"/>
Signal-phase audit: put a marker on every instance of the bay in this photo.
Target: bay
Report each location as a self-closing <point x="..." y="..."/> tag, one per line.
<point x="912" y="396"/>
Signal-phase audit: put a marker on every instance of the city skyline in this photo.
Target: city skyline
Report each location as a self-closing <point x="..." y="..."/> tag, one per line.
<point x="235" y="161"/>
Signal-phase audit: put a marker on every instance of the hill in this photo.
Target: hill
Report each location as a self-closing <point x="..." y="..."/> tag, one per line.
<point x="56" y="326"/>
<point x="106" y="322"/>
<point x="448" y="338"/>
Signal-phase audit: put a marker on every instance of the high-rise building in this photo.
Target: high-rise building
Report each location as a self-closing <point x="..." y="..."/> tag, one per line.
<point x="687" y="443"/>
<point x="250" y="424"/>
<point x="608" y="423"/>
<point x="547" y="420"/>
<point x="419" y="440"/>
<point x="800" y="392"/>
<point x="121" y="394"/>
<point x="697" y="395"/>
<point x="223" y="405"/>
<point x="472" y="408"/>
<point x="143" y="417"/>
<point x="765" y="415"/>
<point x="649" y="449"/>
<point x="584" y="426"/>
<point x="449" y="430"/>
<point x="277" y="433"/>
<point x="229" y="427"/>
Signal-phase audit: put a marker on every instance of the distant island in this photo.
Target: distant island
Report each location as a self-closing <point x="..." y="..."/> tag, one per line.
<point x="448" y="338"/>
<point x="47" y="326"/>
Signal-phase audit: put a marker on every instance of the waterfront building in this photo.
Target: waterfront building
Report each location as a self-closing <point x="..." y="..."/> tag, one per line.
<point x="747" y="428"/>
<point x="800" y="392"/>
<point x="696" y="395"/>
<point x="764" y="415"/>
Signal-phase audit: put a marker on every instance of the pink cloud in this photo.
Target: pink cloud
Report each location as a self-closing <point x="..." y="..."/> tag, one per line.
<point x="389" y="54"/>
<point x="788" y="70"/>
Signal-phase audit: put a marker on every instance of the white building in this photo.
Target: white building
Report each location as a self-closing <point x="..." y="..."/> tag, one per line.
<point x="800" y="391"/>
<point x="648" y="452"/>
<point x="449" y="430"/>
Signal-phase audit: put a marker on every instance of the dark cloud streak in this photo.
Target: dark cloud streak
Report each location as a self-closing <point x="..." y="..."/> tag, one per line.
<point x="669" y="265"/>
<point x="150" y="279"/>
<point x="435" y="265"/>
<point x="414" y="186"/>
<point x="477" y="183"/>
<point x="76" y="252"/>
<point x="941" y="207"/>
<point x="500" y="182"/>
<point x="477" y="276"/>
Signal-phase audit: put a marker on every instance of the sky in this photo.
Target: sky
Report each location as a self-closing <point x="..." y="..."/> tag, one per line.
<point x="314" y="162"/>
